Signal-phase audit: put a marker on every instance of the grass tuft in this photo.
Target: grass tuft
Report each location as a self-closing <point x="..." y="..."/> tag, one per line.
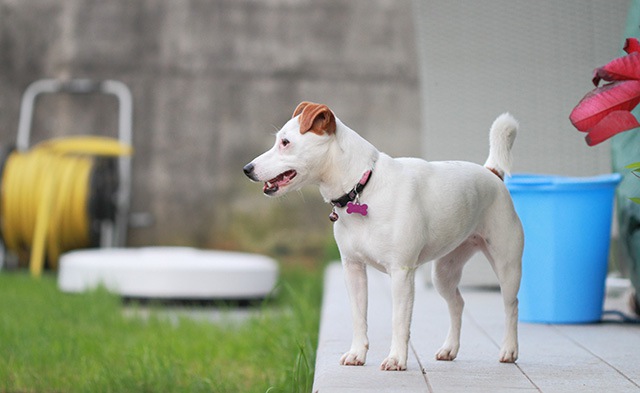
<point x="55" y="342"/>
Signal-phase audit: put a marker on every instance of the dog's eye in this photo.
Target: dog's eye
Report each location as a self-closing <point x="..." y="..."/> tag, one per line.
<point x="284" y="142"/>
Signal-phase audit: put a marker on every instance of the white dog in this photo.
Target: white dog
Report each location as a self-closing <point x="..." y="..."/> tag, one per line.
<point x="400" y="213"/>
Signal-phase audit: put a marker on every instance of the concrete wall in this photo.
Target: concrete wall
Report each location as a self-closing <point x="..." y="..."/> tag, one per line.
<point x="534" y="59"/>
<point x="212" y="80"/>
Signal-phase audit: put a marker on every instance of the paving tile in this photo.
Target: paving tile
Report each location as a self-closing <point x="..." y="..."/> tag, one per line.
<point x="553" y="358"/>
<point x="335" y="339"/>
<point x="476" y="369"/>
<point x="618" y="347"/>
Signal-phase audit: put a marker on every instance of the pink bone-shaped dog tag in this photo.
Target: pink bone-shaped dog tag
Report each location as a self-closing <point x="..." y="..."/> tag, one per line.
<point x="357" y="208"/>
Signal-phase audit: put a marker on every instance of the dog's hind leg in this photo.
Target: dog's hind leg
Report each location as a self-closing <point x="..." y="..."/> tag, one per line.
<point x="446" y="275"/>
<point x="505" y="256"/>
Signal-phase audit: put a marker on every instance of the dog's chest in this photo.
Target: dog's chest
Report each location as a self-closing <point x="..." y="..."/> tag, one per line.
<point x="363" y="239"/>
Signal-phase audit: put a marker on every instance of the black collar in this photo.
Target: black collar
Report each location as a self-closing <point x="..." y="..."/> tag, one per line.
<point x="355" y="191"/>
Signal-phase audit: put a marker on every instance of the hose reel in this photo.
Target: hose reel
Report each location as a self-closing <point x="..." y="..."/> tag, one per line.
<point x="66" y="193"/>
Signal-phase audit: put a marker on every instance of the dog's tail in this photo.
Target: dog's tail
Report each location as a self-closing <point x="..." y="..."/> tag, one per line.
<point x="501" y="137"/>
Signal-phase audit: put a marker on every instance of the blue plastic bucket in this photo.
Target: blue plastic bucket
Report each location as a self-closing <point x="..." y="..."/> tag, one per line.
<point x="567" y="228"/>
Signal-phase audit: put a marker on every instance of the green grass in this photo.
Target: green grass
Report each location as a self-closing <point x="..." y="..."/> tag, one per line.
<point x="55" y="342"/>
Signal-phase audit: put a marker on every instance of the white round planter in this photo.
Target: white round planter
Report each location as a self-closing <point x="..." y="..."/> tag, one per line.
<point x="169" y="273"/>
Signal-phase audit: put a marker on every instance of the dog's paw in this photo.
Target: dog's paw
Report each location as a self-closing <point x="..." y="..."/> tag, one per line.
<point x="353" y="358"/>
<point x="393" y="364"/>
<point x="446" y="353"/>
<point x="508" y="355"/>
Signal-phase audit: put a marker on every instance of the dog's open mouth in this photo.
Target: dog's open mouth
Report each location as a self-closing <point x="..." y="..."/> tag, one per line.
<point x="273" y="185"/>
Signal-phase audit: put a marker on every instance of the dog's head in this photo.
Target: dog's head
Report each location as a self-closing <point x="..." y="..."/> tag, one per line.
<point x="299" y="153"/>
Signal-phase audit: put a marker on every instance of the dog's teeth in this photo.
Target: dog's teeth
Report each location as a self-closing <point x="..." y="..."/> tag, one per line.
<point x="268" y="184"/>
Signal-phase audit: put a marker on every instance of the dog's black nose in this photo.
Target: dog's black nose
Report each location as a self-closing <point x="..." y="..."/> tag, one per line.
<point x="248" y="170"/>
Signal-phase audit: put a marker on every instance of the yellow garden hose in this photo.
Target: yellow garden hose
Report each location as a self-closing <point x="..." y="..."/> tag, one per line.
<point x="45" y="196"/>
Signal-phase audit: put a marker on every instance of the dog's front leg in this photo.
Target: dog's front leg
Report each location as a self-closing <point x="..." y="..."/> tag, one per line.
<point x="402" y="294"/>
<point x="356" y="279"/>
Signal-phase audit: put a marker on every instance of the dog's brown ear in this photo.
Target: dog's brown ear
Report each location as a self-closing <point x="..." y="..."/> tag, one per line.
<point x="300" y="107"/>
<point x="316" y="118"/>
